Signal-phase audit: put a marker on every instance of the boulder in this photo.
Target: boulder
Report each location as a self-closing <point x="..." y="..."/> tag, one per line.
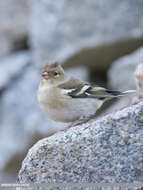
<point x="121" y="72"/>
<point x="95" y="32"/>
<point x="121" y="77"/>
<point x="108" y="150"/>
<point x="14" y="16"/>
<point x="12" y="67"/>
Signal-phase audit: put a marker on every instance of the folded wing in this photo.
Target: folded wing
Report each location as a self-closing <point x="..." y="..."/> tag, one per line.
<point x="79" y="89"/>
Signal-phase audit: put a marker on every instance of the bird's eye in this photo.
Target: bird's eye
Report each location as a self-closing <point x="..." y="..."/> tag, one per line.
<point x="55" y="73"/>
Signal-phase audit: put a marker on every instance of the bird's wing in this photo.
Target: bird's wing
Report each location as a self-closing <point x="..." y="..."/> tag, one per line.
<point x="76" y="88"/>
<point x="73" y="87"/>
<point x="72" y="83"/>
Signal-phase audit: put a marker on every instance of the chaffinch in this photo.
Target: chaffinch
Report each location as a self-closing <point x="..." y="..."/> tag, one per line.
<point x="66" y="99"/>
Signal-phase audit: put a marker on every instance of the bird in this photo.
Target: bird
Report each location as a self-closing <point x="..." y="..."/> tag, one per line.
<point x="138" y="74"/>
<point x="64" y="98"/>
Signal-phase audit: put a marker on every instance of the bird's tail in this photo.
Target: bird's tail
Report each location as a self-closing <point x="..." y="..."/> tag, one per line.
<point x="104" y="94"/>
<point x="115" y="93"/>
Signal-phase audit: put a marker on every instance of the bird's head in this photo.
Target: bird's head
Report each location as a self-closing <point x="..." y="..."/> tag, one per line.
<point x="53" y="73"/>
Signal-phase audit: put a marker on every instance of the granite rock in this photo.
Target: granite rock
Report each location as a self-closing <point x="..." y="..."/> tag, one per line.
<point x="61" y="29"/>
<point x="14" y="16"/>
<point x="109" y="150"/>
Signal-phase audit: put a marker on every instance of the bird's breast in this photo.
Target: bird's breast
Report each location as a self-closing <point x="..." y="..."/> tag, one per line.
<point x="62" y="108"/>
<point x="51" y="98"/>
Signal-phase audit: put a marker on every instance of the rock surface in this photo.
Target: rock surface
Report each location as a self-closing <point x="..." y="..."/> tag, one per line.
<point x="58" y="34"/>
<point x="106" y="150"/>
<point x="14" y="17"/>
<point x="121" y="72"/>
<point x="121" y="77"/>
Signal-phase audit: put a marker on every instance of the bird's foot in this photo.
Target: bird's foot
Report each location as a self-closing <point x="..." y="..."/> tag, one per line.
<point x="80" y="121"/>
<point x="73" y="124"/>
<point x="86" y="119"/>
<point x="83" y="120"/>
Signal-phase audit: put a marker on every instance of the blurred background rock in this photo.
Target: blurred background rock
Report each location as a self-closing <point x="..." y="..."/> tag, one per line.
<point x="86" y="36"/>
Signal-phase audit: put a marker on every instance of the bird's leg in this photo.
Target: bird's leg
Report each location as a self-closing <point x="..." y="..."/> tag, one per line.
<point x="85" y="119"/>
<point x="81" y="121"/>
<point x="74" y="123"/>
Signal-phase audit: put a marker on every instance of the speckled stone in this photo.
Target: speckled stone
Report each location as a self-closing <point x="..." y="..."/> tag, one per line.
<point x="109" y="150"/>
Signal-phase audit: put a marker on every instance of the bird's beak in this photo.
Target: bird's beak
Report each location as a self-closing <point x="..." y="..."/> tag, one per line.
<point x="45" y="75"/>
